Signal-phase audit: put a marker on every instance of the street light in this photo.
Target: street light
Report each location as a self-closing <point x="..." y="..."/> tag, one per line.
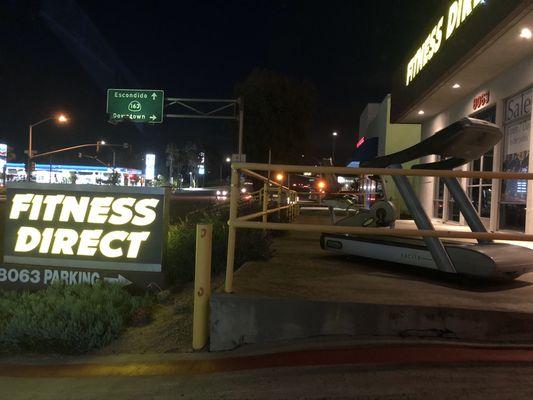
<point x="333" y="135"/>
<point x="279" y="177"/>
<point x="228" y="160"/>
<point x="60" y="119"/>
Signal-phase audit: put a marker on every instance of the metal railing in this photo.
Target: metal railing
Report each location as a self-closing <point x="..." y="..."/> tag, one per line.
<point x="246" y="221"/>
<point x="291" y="195"/>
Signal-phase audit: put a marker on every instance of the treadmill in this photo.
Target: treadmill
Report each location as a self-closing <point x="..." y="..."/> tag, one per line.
<point x="458" y="144"/>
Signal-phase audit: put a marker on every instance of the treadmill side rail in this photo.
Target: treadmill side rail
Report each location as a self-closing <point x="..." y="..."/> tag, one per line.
<point x="434" y="244"/>
<point x="465" y="206"/>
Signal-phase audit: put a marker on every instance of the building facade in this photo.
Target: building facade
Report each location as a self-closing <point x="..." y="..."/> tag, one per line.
<point x="505" y="100"/>
<point x="476" y="61"/>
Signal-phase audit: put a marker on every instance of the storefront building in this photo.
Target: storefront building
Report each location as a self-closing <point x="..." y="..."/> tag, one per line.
<point x="475" y="60"/>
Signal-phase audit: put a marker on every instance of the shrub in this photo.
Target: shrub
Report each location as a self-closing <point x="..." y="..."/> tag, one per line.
<point x="251" y="244"/>
<point x="66" y="319"/>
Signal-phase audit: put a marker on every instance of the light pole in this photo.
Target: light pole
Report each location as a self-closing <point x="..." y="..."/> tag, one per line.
<point x="334" y="136"/>
<point x="101" y="143"/>
<point x="228" y="160"/>
<point x="61" y="118"/>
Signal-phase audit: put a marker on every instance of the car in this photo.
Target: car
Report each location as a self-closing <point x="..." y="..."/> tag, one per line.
<point x="222" y="194"/>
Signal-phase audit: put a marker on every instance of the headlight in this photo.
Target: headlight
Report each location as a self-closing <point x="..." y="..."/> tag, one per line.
<point x="243" y="190"/>
<point x="218" y="192"/>
<point x="224" y="192"/>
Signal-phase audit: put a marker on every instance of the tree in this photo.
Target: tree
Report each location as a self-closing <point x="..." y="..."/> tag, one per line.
<point x="278" y="111"/>
<point x="185" y="159"/>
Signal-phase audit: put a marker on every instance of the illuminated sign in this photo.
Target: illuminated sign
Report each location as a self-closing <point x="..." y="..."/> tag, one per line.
<point x="481" y="100"/>
<point x="458" y="11"/>
<point x="3" y="156"/>
<point x="149" y="171"/>
<point x="86" y="227"/>
<point x="201" y="166"/>
<point x="360" y="142"/>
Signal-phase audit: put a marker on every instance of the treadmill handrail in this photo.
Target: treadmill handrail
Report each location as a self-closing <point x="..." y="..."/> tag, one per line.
<point x="463" y="141"/>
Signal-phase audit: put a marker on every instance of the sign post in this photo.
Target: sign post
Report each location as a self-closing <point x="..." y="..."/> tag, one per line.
<point x="83" y="234"/>
<point x="136" y="105"/>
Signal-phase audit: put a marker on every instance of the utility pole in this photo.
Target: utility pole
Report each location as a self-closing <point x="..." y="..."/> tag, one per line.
<point x="240" y="102"/>
<point x="170" y="168"/>
<point x="334" y="136"/>
<point x="114" y="167"/>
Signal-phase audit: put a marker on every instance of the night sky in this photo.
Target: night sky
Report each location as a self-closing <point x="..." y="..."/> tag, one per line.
<point x="348" y="49"/>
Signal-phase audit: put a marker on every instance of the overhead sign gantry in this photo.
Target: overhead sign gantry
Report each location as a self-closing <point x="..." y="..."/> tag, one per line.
<point x="146" y="106"/>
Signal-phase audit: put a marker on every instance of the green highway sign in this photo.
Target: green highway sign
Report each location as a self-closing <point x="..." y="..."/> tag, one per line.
<point x="137" y="105"/>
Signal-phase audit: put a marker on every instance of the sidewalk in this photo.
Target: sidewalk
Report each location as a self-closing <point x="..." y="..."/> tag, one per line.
<point x="301" y="269"/>
<point x="304" y="292"/>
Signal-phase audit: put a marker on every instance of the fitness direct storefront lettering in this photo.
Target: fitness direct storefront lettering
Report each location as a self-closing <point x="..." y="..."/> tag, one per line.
<point x="458" y="11"/>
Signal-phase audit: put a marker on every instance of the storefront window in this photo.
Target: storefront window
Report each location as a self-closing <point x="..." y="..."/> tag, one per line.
<point x="453" y="210"/>
<point x="438" y="201"/>
<point x="444" y="205"/>
<point x="480" y="190"/>
<point x="517" y="130"/>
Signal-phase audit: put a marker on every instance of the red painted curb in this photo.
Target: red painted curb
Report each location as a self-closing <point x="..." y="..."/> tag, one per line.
<point x="375" y="355"/>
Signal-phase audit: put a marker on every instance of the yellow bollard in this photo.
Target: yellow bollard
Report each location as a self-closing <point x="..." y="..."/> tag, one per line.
<point x="202" y="286"/>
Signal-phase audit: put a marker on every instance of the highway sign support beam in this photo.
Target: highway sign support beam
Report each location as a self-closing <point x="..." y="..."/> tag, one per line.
<point x="226" y="109"/>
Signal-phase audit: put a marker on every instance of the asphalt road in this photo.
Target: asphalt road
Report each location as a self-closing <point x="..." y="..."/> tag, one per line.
<point x="186" y="201"/>
<point x="361" y="372"/>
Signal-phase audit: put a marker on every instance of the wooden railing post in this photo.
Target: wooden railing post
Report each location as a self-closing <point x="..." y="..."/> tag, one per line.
<point x="230" y="259"/>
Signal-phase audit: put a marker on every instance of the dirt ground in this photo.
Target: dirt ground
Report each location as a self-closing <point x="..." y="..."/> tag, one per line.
<point x="169" y="331"/>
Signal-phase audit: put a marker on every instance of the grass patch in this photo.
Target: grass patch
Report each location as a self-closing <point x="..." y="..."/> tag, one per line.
<point x="66" y="319"/>
<point x="251" y="244"/>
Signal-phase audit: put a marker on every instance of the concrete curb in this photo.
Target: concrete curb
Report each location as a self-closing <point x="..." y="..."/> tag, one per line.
<point x="237" y="320"/>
